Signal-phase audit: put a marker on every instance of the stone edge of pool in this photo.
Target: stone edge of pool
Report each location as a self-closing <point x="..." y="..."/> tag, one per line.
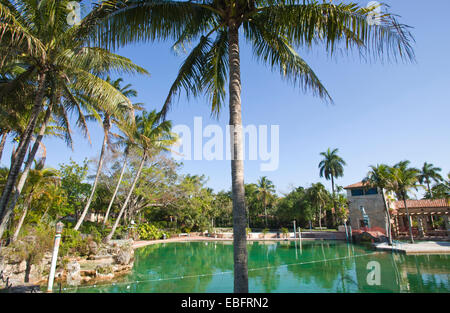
<point x="143" y="243"/>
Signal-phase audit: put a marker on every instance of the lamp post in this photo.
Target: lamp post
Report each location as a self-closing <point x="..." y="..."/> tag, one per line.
<point x="51" y="276"/>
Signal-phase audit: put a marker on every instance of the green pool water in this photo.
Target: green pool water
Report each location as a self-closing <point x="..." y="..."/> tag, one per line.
<point x="312" y="266"/>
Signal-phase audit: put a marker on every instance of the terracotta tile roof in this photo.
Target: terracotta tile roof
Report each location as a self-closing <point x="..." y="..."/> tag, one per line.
<point x="356" y="185"/>
<point x="438" y="203"/>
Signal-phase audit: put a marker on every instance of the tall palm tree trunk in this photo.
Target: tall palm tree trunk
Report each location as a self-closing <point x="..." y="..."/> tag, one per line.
<point x="265" y="208"/>
<point x="23" y="146"/>
<point x="320" y="217"/>
<point x="334" y="202"/>
<point x="22" y="218"/>
<point x="2" y="142"/>
<point x="130" y="192"/>
<point x="24" y="176"/>
<point x="237" y="164"/>
<point x="115" y="191"/>
<point x="97" y="175"/>
<point x="429" y="189"/>
<point x="409" y="220"/>
<point x="388" y="216"/>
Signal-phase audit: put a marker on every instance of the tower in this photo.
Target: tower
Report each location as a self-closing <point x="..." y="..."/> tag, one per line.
<point x="366" y="207"/>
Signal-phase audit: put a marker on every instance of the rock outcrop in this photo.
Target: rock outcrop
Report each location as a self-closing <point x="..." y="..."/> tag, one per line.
<point x="104" y="262"/>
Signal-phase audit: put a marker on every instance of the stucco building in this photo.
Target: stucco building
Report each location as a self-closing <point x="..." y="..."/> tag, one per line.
<point x="367" y="209"/>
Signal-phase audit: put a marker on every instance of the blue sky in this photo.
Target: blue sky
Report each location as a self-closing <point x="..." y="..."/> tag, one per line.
<point x="382" y="113"/>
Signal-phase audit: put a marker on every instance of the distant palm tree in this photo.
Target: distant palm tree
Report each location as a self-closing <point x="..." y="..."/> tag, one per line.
<point x="429" y="173"/>
<point x="128" y="141"/>
<point x="107" y="115"/>
<point x="38" y="181"/>
<point x="378" y="177"/>
<point x="318" y="196"/>
<point x="401" y="179"/>
<point x="332" y="166"/>
<point x="150" y="136"/>
<point x="265" y="190"/>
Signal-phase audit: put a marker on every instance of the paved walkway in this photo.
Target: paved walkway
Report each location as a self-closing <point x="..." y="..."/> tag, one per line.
<point x="426" y="247"/>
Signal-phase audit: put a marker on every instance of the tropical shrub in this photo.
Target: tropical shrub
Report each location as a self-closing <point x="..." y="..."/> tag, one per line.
<point x="284" y="231"/>
<point x="149" y="232"/>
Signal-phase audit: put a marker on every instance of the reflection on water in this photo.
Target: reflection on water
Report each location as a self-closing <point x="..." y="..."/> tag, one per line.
<point x="308" y="266"/>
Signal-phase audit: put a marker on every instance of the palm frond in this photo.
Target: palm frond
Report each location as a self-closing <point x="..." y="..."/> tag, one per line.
<point x="190" y="75"/>
<point x="276" y="51"/>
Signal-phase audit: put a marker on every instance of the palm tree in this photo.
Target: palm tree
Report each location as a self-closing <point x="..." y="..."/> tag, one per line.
<point x="15" y="106"/>
<point x="265" y="190"/>
<point x="273" y="29"/>
<point x="59" y="62"/>
<point x="119" y="181"/>
<point x="38" y="181"/>
<point x="429" y="173"/>
<point x="402" y="178"/>
<point x="44" y="129"/>
<point x="378" y="177"/>
<point x="110" y="115"/>
<point x="150" y="136"/>
<point x="318" y="196"/>
<point x="332" y="166"/>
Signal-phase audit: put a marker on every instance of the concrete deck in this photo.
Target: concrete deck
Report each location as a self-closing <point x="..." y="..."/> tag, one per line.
<point x="427" y="247"/>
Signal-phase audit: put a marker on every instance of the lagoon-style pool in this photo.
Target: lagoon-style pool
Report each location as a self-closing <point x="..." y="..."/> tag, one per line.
<point x="307" y="266"/>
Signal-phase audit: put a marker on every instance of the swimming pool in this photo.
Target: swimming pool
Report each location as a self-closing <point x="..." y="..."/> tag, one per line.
<point x="282" y="266"/>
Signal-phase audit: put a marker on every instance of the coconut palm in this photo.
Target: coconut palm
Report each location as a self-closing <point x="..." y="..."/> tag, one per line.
<point x="401" y="179"/>
<point x="378" y="177"/>
<point x="428" y="173"/>
<point x="46" y="129"/>
<point x="15" y="106"/>
<point x="107" y="116"/>
<point x="38" y="181"/>
<point x="150" y="135"/>
<point x="332" y="166"/>
<point x="319" y="197"/>
<point x="273" y="29"/>
<point x="119" y="181"/>
<point x="59" y="63"/>
<point x="265" y="190"/>
<point x="125" y="140"/>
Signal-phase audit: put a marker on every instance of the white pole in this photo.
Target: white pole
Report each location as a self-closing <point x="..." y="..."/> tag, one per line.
<point x="51" y="276"/>
<point x="295" y="235"/>
<point x="346" y="231"/>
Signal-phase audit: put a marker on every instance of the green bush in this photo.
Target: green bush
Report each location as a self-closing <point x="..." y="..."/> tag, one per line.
<point x="121" y="232"/>
<point x="95" y="230"/>
<point x="149" y="232"/>
<point x="73" y="243"/>
<point x="186" y="229"/>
